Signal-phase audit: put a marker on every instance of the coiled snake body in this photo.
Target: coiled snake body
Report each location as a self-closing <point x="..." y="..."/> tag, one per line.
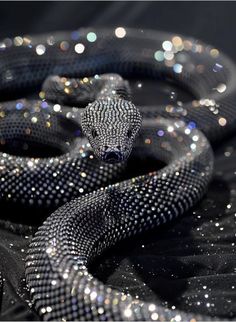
<point x="57" y="265"/>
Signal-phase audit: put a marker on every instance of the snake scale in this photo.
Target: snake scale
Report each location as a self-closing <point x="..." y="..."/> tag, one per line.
<point x="90" y="144"/>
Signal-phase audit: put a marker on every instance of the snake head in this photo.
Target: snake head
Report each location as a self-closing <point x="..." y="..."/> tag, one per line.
<point x="111" y="126"/>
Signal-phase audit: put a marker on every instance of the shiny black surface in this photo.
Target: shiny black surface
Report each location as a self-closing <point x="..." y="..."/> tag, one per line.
<point x="165" y="258"/>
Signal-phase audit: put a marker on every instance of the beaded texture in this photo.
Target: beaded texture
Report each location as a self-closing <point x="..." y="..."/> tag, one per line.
<point x="58" y="260"/>
<point x="51" y="181"/>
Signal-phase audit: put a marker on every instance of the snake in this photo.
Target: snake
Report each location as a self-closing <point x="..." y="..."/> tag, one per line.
<point x="85" y="112"/>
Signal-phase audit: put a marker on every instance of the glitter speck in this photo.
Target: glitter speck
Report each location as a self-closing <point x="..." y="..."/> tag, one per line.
<point x="18" y="41"/>
<point x="65" y="275"/>
<point x="167" y="45"/>
<point x="2" y="46"/>
<point x="178" y="68"/>
<point x="120" y="32"/>
<point x="42" y="95"/>
<point x="91" y="37"/>
<point x="160" y="132"/>
<point x="79" y="48"/>
<point x="30" y="163"/>
<point x="214" y="52"/>
<point x="178" y="318"/>
<point x="221" y="88"/>
<point x="222" y="121"/>
<point x="170" y="129"/>
<point x="19" y="106"/>
<point x="152" y="307"/>
<point x="101" y="310"/>
<point x="159" y="55"/>
<point x="43" y="310"/>
<point x="127" y="313"/>
<point x="56" y="108"/>
<point x="40" y="49"/>
<point x="93" y="295"/>
<point x="64" y="45"/>
<point x="168" y="55"/>
<point x="87" y="290"/>
<point x="177" y="41"/>
<point x="217" y="68"/>
<point x="154" y="316"/>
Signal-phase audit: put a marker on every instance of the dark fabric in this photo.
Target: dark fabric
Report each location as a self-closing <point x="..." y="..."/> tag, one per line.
<point x="189" y="263"/>
<point x="13" y="247"/>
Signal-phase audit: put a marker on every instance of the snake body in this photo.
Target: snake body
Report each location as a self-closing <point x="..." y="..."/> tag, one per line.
<point x="57" y="268"/>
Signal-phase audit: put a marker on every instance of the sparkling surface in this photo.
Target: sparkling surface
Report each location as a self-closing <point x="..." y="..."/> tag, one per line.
<point x="79" y="48"/>
<point x="186" y="59"/>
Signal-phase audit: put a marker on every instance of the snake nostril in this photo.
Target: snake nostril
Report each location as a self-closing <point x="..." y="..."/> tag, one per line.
<point x="112" y="148"/>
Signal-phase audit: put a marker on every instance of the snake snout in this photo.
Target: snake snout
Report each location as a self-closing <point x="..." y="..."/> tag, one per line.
<point x="112" y="154"/>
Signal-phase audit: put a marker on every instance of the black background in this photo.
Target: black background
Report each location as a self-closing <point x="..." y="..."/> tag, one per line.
<point x="182" y="262"/>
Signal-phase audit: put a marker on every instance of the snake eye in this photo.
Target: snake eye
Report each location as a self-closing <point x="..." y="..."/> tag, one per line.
<point x="129" y="133"/>
<point x="94" y="133"/>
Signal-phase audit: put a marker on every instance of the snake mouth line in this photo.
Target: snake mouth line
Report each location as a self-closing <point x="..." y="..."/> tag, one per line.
<point x="112" y="156"/>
